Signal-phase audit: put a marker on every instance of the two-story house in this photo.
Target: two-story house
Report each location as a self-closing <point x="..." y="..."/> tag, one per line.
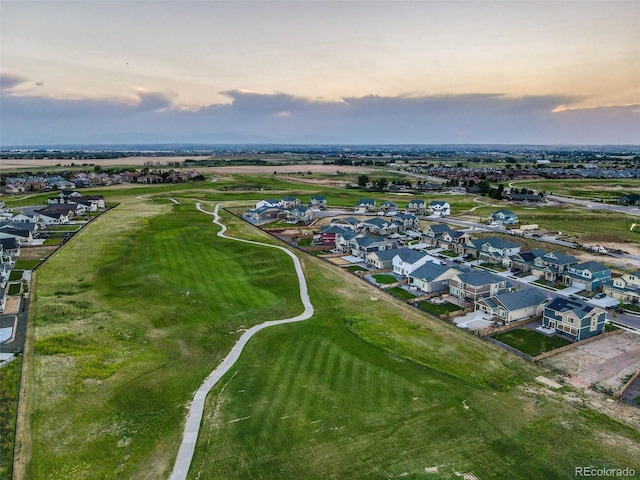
<point x="407" y="260"/>
<point x="439" y="208"/>
<point x="452" y="238"/>
<point x="328" y="235"/>
<point x="318" y="202"/>
<point x="503" y="217"/>
<point x="432" y="233"/>
<point x="470" y="286"/>
<point x="378" y="226"/>
<point x="491" y="249"/>
<point x="365" y="205"/>
<point x="574" y="317"/>
<point x="406" y="221"/>
<point x="363" y="244"/>
<point x="381" y="259"/>
<point x="388" y="207"/>
<point x="523" y="261"/>
<point x="625" y="287"/>
<point x="416" y="206"/>
<point x="590" y="274"/>
<point x="289" y="202"/>
<point x="300" y="214"/>
<point x="552" y="265"/>
<point x="432" y="278"/>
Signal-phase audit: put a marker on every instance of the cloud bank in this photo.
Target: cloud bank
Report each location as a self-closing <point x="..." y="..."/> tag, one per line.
<point x="251" y="117"/>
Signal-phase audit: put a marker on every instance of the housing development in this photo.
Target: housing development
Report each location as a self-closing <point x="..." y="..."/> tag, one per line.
<point x="299" y="317"/>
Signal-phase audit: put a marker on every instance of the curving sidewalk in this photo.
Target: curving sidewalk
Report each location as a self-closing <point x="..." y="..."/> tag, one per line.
<point x="196" y="410"/>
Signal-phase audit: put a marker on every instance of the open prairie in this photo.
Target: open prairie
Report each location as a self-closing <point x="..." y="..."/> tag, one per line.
<point x="133" y="313"/>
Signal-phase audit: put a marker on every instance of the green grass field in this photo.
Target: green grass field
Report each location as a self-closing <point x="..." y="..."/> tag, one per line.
<point x="438" y="308"/>
<point x="530" y="342"/>
<point x="14" y="289"/>
<point x="134" y="312"/>
<point x="15" y="275"/>
<point x="384" y="279"/>
<point x="9" y="386"/>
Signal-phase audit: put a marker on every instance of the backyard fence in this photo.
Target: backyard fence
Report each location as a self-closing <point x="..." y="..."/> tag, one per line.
<point x="576" y="345"/>
<point x="510" y="349"/>
<point x="633" y="378"/>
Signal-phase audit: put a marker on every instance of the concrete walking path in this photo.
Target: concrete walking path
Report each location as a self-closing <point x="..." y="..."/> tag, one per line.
<point x="196" y="410"/>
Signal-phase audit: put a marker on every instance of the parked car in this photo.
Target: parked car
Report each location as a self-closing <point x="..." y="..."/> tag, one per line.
<point x="600" y="295"/>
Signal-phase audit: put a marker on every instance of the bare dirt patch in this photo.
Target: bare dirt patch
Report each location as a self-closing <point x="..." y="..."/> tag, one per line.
<point x="36" y="253"/>
<point x="605" y="362"/>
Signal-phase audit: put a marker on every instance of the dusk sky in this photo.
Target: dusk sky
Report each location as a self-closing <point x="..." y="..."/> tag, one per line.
<point x="319" y="72"/>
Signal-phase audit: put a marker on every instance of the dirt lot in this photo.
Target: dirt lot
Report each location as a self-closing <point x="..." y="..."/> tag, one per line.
<point x="606" y="362"/>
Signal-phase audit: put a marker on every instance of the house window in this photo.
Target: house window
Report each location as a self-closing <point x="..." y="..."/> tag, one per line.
<point x="594" y="324"/>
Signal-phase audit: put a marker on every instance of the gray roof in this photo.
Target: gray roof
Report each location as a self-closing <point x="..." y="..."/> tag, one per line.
<point x="366" y="201"/>
<point x="561" y="304"/>
<point x="409" y="255"/>
<point x="591" y="266"/>
<point x="378" y="222"/>
<point x="495" y="242"/>
<point x="429" y="271"/>
<point x="521" y="299"/>
<point x="560" y="258"/>
<point x="439" y="228"/>
<point x="333" y="229"/>
<point x="319" y="197"/>
<point x="479" y="278"/>
<point x="368" y="240"/>
<point x="385" y="255"/>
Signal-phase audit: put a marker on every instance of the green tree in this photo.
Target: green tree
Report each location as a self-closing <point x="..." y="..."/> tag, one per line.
<point x="363" y="180"/>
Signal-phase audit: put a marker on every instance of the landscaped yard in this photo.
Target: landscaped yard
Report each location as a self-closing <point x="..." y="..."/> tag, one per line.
<point x="26" y="264"/>
<point x="15" y="275"/>
<point x="304" y="242"/>
<point x="53" y="241"/>
<point x="530" y="342"/>
<point x="354" y="268"/>
<point x="384" y="279"/>
<point x="400" y="293"/>
<point x="438" y="308"/>
<point x="450" y="253"/>
<point x="14" y="289"/>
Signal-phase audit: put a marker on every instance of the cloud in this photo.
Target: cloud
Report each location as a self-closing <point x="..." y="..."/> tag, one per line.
<point x="283" y="118"/>
<point x="152" y="101"/>
<point x="9" y="81"/>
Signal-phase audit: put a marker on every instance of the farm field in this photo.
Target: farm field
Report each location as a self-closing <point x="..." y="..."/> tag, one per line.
<point x="133" y="313"/>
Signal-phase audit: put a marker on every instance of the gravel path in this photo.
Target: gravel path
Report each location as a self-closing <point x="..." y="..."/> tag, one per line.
<point x="194" y="418"/>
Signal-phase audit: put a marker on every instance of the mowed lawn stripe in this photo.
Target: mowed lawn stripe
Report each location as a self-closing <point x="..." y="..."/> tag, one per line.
<point x="165" y="300"/>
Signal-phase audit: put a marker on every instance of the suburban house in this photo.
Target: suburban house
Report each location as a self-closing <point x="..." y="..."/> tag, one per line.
<point x="264" y="214"/>
<point x="343" y="240"/>
<point x="432" y="233"/>
<point x="365" y="205"/>
<point x="318" y="201"/>
<point x="514" y="306"/>
<point x="574" y="317"/>
<point x="406" y="221"/>
<point x="492" y="249"/>
<point x="625" y="287"/>
<point x="300" y="214"/>
<point x="378" y="226"/>
<point x="363" y="244"/>
<point x="439" y="208"/>
<point x="351" y="223"/>
<point x="504" y="217"/>
<point x="388" y="207"/>
<point x="381" y="259"/>
<point x="590" y="274"/>
<point x="25" y="218"/>
<point x="269" y="202"/>
<point x="407" y="260"/>
<point x="629" y="199"/>
<point x="551" y="265"/>
<point x="523" y="261"/>
<point x="10" y="248"/>
<point x="52" y="217"/>
<point x="289" y="203"/>
<point x="328" y="235"/>
<point x="432" y="278"/>
<point x="23" y="235"/>
<point x="452" y="238"/>
<point x="416" y="206"/>
<point x="470" y="286"/>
